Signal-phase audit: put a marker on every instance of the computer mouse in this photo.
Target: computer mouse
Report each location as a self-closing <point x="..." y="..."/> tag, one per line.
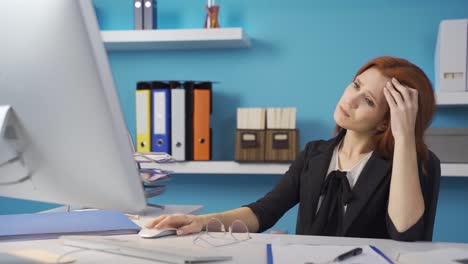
<point x="155" y="233"/>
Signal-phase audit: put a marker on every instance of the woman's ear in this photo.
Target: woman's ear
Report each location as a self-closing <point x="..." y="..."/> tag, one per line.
<point x="382" y="127"/>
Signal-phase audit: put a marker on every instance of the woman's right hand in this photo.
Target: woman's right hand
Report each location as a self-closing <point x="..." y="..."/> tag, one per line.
<point x="185" y="224"/>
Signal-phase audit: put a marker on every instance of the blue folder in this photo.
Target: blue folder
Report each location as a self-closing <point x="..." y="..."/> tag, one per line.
<point x="161" y="118"/>
<point x="52" y="225"/>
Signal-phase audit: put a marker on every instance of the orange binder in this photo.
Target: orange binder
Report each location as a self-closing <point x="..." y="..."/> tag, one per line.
<point x="201" y="124"/>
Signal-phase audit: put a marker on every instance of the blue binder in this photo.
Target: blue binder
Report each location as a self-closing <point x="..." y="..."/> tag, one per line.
<point x="161" y="118"/>
<point x="52" y="225"/>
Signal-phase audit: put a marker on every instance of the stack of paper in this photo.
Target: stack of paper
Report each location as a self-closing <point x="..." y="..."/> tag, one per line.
<point x="153" y="157"/>
<point x="154" y="176"/>
<point x="281" y="118"/>
<point x="251" y="118"/>
<point x="154" y="190"/>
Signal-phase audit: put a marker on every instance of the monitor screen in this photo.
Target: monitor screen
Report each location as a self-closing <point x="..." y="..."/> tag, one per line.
<point x="63" y="137"/>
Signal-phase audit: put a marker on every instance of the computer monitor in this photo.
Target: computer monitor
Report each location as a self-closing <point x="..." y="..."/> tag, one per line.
<point x="63" y="137"/>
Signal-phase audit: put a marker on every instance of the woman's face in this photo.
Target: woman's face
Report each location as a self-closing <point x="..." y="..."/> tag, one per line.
<point x="362" y="106"/>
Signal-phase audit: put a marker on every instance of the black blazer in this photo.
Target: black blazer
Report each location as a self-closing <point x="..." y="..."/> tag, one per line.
<point x="366" y="215"/>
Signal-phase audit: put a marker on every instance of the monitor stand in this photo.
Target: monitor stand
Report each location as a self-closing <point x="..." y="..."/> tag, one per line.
<point x="13" y="144"/>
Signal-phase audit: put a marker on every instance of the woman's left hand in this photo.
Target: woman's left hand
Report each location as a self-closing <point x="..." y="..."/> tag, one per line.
<point x="403" y="102"/>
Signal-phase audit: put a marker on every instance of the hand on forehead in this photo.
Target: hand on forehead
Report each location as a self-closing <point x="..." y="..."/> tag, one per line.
<point x="373" y="82"/>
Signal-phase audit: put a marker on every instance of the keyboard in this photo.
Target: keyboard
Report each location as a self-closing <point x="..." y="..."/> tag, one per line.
<point x="131" y="248"/>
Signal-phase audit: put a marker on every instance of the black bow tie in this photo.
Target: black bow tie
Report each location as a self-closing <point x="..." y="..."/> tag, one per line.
<point x="338" y="182"/>
<point x="336" y="193"/>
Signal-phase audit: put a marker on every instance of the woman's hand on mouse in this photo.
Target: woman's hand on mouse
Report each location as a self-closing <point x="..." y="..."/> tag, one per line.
<point x="185" y="224"/>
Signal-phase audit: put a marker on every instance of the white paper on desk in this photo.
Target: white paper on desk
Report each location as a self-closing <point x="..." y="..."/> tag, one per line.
<point x="444" y="255"/>
<point x="300" y="254"/>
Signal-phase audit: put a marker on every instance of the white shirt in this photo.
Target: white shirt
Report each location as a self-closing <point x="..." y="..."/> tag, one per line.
<point x="352" y="174"/>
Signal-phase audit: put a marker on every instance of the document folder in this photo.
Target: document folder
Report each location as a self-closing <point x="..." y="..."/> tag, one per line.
<point x="138" y="14"/>
<point x="189" y="88"/>
<point x="451" y="59"/>
<point x="160" y="138"/>
<point x="281" y="139"/>
<point x="143" y="117"/>
<point x="201" y="122"/>
<point x="178" y="122"/>
<point x="281" y="144"/>
<point x="250" y="145"/>
<point x="52" y="225"/>
<point x="150" y="15"/>
<point x="250" y="134"/>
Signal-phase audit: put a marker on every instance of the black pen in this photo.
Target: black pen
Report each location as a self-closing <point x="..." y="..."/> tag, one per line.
<point x="346" y="255"/>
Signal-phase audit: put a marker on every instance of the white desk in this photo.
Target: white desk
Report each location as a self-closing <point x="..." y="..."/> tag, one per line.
<point x="251" y="251"/>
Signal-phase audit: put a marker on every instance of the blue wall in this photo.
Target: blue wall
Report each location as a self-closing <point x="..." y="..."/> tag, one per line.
<point x="303" y="54"/>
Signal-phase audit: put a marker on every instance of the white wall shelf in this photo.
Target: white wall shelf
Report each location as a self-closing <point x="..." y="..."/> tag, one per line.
<point x="454" y="169"/>
<point x="165" y="39"/>
<point x="232" y="167"/>
<point x="221" y="167"/>
<point x="452" y="98"/>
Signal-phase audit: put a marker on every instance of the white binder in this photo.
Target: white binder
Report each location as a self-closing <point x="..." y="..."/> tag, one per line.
<point x="178" y="124"/>
<point x="149" y="14"/>
<point x="138" y="14"/>
<point x="451" y="56"/>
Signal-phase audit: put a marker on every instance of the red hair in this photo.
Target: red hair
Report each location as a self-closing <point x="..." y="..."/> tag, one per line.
<point x="412" y="76"/>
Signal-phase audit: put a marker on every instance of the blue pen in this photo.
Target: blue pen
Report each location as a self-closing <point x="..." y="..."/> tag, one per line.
<point x="381" y="254"/>
<point x="269" y="254"/>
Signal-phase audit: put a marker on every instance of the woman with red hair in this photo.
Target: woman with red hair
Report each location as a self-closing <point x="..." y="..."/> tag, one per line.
<point x="375" y="178"/>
